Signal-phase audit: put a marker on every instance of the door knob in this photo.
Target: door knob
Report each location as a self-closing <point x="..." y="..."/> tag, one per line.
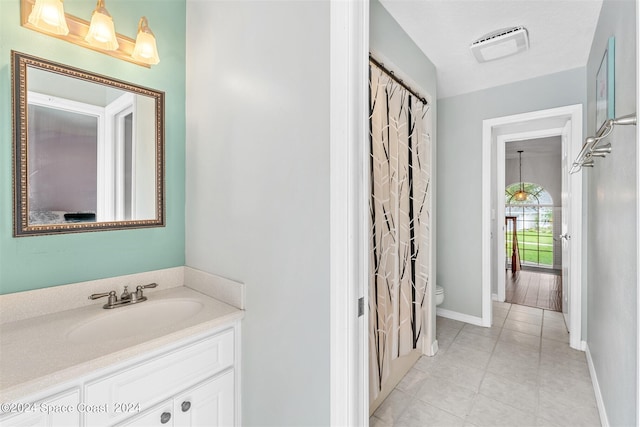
<point x="565" y="236"/>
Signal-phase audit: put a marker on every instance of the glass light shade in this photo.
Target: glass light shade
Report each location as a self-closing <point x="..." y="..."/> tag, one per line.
<point x="520" y="195"/>
<point x="48" y="15"/>
<point x="145" y="50"/>
<point x="102" y="32"/>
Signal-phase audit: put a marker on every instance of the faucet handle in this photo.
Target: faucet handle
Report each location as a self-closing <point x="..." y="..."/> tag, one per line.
<point x="104" y="294"/>
<point x="112" y="297"/>
<point x="139" y="288"/>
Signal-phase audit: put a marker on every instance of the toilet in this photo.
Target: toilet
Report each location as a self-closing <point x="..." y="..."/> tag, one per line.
<point x="439" y="295"/>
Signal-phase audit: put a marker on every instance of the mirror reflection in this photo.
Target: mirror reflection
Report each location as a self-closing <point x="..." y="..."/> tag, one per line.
<point x="88" y="151"/>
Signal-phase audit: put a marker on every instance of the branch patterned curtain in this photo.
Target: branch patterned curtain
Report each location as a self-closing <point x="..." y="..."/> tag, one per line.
<point x="400" y="208"/>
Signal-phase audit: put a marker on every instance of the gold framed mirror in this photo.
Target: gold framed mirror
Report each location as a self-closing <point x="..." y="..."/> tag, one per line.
<point x="88" y="151"/>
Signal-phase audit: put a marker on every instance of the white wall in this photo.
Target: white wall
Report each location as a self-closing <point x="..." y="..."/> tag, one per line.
<point x="257" y="183"/>
<point x="459" y="161"/>
<point x="612" y="252"/>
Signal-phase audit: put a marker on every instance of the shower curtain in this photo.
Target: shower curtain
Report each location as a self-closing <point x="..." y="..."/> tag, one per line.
<point x="400" y="210"/>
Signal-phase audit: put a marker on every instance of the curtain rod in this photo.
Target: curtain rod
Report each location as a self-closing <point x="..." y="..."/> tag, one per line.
<point x="398" y="80"/>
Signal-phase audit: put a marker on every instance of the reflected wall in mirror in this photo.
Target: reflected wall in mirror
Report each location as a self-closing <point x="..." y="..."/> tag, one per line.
<point x="88" y="151"/>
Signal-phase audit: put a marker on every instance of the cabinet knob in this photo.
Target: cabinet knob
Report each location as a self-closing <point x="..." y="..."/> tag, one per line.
<point x="186" y="405"/>
<point x="165" y="417"/>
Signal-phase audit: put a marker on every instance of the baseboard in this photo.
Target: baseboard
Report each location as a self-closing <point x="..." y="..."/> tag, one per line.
<point x="429" y="349"/>
<point x="434" y="348"/>
<point x="454" y="315"/>
<point x="596" y="388"/>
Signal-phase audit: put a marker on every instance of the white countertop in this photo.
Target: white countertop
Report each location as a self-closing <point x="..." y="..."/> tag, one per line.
<point x="36" y="354"/>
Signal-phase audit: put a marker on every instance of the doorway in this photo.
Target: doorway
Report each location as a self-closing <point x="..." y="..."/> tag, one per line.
<point x="533" y="209"/>
<point x="565" y="123"/>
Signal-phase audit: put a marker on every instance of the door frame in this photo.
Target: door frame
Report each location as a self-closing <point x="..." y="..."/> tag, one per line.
<point x="494" y="134"/>
<point x="348" y="228"/>
<point x="638" y="213"/>
<point x="501" y="185"/>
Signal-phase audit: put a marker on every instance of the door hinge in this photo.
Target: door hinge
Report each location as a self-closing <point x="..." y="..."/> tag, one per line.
<point x="361" y="307"/>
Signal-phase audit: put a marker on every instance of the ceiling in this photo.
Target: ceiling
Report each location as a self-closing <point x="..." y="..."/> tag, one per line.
<point x="560" y="37"/>
<point x="550" y="146"/>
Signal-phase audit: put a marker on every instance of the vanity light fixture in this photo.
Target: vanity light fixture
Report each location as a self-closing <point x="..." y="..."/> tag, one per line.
<point x="48" y="15"/>
<point x="102" y="32"/>
<point x="145" y="50"/>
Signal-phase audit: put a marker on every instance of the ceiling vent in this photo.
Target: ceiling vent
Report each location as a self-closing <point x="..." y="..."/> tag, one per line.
<point x="501" y="43"/>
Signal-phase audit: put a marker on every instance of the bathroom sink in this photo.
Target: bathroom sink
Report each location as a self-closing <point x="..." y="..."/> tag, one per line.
<point x="136" y="319"/>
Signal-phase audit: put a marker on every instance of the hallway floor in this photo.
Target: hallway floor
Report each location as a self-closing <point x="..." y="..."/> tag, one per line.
<point x="534" y="288"/>
<point x="520" y="372"/>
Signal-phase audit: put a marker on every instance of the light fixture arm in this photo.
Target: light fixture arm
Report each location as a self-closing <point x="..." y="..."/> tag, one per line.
<point x="521" y="184"/>
<point x="520" y="195"/>
<point x="101" y="8"/>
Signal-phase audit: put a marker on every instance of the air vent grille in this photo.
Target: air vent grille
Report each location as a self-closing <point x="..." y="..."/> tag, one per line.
<point x="499" y="33"/>
<point x="501" y="43"/>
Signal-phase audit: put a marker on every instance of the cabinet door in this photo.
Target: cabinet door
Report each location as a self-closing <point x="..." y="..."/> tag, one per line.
<point x="59" y="410"/>
<point x="158" y="416"/>
<point x="157" y="380"/>
<point x="209" y="404"/>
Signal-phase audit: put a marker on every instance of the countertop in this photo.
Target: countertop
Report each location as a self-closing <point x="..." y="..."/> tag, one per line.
<point x="36" y="354"/>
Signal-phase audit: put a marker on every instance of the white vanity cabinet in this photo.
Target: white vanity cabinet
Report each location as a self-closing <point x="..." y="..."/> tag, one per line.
<point x="135" y="389"/>
<point x="193" y="382"/>
<point x="210" y="404"/>
<point x="56" y="410"/>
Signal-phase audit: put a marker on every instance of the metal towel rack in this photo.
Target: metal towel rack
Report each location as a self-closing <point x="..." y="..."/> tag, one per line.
<point x="591" y="147"/>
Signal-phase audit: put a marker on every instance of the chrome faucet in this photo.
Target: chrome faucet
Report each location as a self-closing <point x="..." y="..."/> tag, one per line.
<point x="126" y="298"/>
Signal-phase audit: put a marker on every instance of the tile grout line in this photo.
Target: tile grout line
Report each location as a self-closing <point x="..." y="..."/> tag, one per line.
<point x="538" y="379"/>
<point x="484" y="371"/>
<point x="477" y="402"/>
<point x="476" y="393"/>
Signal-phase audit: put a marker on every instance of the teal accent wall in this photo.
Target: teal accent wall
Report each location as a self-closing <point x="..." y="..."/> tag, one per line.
<point x="28" y="263"/>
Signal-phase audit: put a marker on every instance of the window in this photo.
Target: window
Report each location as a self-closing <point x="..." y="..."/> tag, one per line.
<point x="534" y="224"/>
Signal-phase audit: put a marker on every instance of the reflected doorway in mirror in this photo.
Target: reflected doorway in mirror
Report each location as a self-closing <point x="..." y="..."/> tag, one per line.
<point x="88" y="151"/>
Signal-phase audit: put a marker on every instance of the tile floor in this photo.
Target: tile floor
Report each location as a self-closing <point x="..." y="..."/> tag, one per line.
<point x="520" y="372"/>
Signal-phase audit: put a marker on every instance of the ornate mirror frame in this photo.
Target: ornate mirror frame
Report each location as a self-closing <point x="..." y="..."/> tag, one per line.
<point x="20" y="63"/>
